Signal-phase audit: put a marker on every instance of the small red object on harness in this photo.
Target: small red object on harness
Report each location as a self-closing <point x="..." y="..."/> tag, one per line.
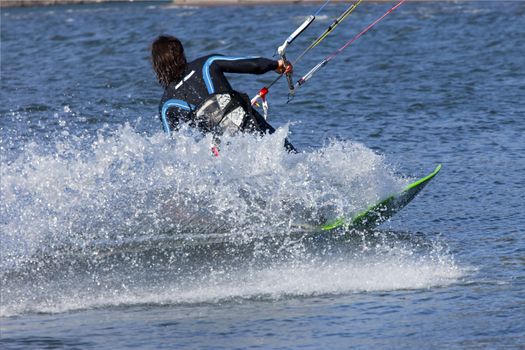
<point x="263" y="92"/>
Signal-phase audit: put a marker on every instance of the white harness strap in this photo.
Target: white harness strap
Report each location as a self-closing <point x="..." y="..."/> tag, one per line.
<point x="184" y="80"/>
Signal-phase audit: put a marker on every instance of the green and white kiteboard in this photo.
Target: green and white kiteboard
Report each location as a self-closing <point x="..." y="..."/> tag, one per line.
<point x="383" y="210"/>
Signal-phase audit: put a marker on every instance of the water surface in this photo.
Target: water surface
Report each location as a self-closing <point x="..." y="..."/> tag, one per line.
<point x="101" y="213"/>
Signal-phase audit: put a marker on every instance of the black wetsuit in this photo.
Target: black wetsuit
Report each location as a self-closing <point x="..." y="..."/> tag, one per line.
<point x="204" y="77"/>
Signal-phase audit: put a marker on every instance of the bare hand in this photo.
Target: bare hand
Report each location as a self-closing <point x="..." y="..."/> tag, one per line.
<point x="284" y="67"/>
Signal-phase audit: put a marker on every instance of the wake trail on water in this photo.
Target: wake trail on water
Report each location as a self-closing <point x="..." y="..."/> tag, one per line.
<point x="129" y="218"/>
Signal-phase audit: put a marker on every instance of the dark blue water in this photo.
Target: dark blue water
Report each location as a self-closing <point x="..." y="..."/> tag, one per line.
<point x="103" y="216"/>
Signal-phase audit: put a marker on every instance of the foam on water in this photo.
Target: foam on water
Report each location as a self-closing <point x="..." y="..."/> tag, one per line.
<point x="92" y="222"/>
<point x="275" y="283"/>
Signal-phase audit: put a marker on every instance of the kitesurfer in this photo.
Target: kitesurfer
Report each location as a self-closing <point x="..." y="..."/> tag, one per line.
<point x="199" y="94"/>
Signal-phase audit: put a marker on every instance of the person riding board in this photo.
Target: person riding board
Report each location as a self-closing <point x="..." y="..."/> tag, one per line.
<point x="199" y="94"/>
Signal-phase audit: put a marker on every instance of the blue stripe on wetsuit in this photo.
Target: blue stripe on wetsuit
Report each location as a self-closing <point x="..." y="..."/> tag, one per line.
<point x="173" y="103"/>
<point x="206" y="69"/>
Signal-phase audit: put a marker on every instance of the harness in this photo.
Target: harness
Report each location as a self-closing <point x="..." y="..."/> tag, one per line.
<point x="225" y="112"/>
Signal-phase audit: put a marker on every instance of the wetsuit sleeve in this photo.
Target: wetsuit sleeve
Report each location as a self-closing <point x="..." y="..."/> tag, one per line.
<point x="257" y="65"/>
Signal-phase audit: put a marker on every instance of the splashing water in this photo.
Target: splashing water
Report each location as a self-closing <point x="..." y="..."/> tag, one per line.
<point x="123" y="218"/>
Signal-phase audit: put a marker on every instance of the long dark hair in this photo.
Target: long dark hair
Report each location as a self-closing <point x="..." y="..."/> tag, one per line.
<point x="168" y="59"/>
